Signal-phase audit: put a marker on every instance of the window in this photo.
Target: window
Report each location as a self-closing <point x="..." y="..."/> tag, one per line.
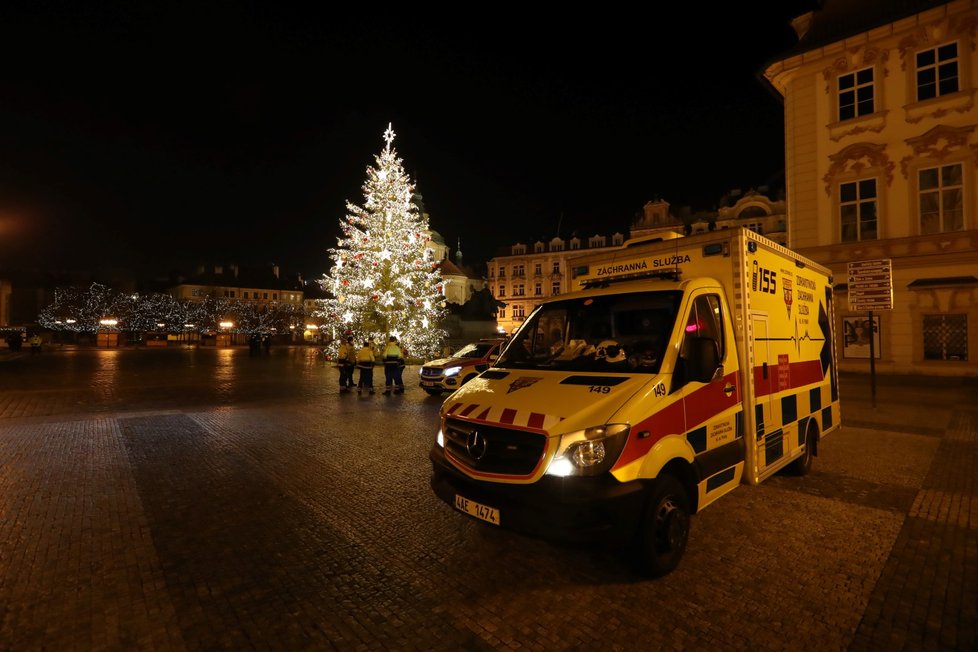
<point x="555" y="289"/>
<point x="519" y="249"/>
<point x="245" y="295"/>
<point x="197" y="292"/>
<point x="705" y="320"/>
<point x="517" y="271"/>
<point x="501" y="314"/>
<point x="857" y="210"/>
<point x="556" y="246"/>
<point x="518" y="290"/>
<point x="941" y="199"/>
<point x="937" y="71"/>
<point x="537" y="289"/>
<point x="856" y="94"/>
<point x="556" y="267"/>
<point x="275" y="297"/>
<point x="264" y="295"/>
<point x="502" y="290"/>
<point x="518" y="312"/>
<point x="502" y="272"/>
<point x="946" y="337"/>
<point x="575" y="243"/>
<point x="538" y="248"/>
<point x="617" y="239"/>
<point x="536" y="269"/>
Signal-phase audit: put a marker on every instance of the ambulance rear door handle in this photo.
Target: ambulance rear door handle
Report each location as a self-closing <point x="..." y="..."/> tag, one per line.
<point x="764" y="371"/>
<point x="729" y="389"/>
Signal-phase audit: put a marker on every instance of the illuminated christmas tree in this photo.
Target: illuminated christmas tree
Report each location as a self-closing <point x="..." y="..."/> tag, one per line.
<point x="383" y="282"/>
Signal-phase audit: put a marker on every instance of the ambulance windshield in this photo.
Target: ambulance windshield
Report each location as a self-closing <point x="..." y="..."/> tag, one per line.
<point x="625" y="333"/>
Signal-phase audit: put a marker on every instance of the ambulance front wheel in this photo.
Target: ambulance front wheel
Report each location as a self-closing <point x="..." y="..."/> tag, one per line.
<point x="665" y="527"/>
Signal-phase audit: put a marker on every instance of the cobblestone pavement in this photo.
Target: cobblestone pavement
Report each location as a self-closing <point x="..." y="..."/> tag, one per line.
<point x="203" y="499"/>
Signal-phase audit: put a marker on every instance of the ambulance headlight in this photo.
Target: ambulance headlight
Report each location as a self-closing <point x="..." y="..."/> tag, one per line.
<point x="590" y="451"/>
<point x="452" y="371"/>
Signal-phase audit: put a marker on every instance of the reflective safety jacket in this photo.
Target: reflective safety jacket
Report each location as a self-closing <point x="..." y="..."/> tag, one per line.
<point x="365" y="357"/>
<point x="393" y="354"/>
<point x="347" y="354"/>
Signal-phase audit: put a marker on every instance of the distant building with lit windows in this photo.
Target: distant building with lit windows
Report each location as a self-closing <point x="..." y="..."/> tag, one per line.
<point x="522" y="275"/>
<point x="262" y="286"/>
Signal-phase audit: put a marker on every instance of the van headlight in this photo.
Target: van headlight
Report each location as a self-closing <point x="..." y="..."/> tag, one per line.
<point x="452" y="371"/>
<point x="590" y="451"/>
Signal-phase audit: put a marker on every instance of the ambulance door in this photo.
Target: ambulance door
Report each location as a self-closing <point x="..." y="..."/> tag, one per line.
<point x="767" y="450"/>
<point x="712" y="407"/>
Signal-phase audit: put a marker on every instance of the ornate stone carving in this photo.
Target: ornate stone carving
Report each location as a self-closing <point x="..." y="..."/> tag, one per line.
<point x="960" y="26"/>
<point x="856" y="59"/>
<point x="855" y="158"/>
<point x="876" y="124"/>
<point x="926" y="143"/>
<point x="961" y="102"/>
<point x="929" y="145"/>
<point x="963" y="26"/>
<point x="911" y="42"/>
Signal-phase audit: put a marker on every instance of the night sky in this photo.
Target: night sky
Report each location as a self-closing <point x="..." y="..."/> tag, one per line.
<point x="168" y="135"/>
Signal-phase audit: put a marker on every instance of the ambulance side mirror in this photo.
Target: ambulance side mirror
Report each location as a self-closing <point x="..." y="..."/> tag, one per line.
<point x="703" y="359"/>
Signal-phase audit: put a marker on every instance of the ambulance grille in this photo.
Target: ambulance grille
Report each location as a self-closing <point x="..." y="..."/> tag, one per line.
<point x="491" y="449"/>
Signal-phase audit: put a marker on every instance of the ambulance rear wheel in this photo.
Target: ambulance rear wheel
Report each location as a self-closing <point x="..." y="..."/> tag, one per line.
<point x="803" y="464"/>
<point x="665" y="528"/>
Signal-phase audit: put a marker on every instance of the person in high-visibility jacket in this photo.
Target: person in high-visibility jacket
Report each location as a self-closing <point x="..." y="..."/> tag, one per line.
<point x="346" y="359"/>
<point x="393" y="365"/>
<point x="366" y="357"/>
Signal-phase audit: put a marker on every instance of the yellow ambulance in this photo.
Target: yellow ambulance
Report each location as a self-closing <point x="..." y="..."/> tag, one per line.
<point x="678" y="370"/>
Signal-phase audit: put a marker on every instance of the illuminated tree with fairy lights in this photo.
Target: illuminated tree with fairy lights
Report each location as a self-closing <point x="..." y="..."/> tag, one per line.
<point x="383" y="282"/>
<point x="100" y="308"/>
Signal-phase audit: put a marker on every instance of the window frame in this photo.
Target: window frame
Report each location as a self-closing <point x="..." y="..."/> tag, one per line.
<point x="854" y="90"/>
<point x="943" y="316"/>
<point x="858" y="202"/>
<point x="940" y="190"/>
<point x="936" y="65"/>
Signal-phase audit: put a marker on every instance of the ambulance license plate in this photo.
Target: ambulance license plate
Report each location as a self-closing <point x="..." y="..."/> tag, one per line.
<point x="428" y="383"/>
<point x="478" y="510"/>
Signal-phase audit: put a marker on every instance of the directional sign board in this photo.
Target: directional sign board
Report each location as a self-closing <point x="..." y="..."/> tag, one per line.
<point x="870" y="285"/>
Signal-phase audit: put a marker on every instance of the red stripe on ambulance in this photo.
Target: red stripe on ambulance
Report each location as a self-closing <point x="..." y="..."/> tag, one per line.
<point x="781" y="378"/>
<point x="700" y="406"/>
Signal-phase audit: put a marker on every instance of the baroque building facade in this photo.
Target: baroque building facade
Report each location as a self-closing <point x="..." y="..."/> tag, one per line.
<point x="881" y="164"/>
<point x="523" y="274"/>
